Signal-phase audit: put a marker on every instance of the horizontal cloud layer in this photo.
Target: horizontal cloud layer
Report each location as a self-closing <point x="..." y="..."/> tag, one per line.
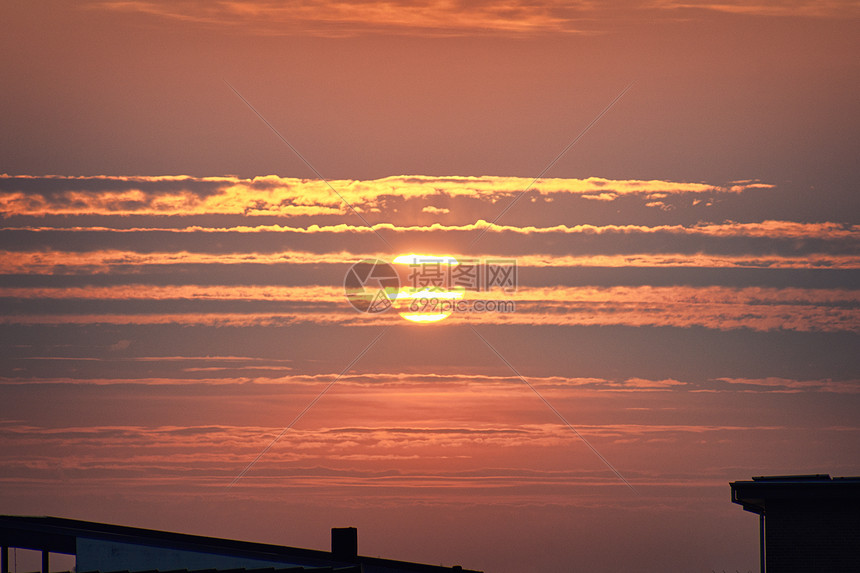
<point x="105" y="261"/>
<point x="711" y="307"/>
<point x="283" y="196"/>
<point x="436" y="18"/>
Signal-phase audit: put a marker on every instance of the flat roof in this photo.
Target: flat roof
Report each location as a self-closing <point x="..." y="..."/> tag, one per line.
<point x="755" y="494"/>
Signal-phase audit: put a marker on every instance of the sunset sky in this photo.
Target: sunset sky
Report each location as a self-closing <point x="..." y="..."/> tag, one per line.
<point x="172" y="273"/>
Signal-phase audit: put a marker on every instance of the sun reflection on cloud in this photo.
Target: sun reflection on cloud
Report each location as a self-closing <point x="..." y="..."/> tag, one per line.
<point x="413" y="259"/>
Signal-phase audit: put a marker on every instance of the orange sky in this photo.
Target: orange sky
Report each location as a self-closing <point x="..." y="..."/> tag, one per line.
<point x="172" y="274"/>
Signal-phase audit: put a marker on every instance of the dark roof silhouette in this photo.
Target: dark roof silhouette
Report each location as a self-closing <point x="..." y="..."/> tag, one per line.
<point x="347" y="569"/>
<point x="60" y="535"/>
<point x="755" y="495"/>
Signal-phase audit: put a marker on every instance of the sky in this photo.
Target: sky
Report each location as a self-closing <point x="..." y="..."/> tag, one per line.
<point x="676" y="181"/>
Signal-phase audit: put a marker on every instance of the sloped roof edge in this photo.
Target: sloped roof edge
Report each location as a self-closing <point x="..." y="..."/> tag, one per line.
<point x="59" y="535"/>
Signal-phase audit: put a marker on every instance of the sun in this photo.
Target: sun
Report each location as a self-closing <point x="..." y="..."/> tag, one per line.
<point x="427" y="298"/>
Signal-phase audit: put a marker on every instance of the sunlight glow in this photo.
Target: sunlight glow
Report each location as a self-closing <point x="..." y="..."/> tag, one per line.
<point x="424" y="318"/>
<point x="413" y="259"/>
<point x="425" y="304"/>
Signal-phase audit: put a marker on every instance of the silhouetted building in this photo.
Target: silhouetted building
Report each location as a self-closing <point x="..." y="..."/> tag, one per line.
<point x="103" y="548"/>
<point x="807" y="522"/>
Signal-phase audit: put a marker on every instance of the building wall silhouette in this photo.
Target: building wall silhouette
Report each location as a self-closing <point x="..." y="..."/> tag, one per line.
<point x="809" y="523"/>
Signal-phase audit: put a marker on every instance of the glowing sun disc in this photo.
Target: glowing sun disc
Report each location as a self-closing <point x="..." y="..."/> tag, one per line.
<point x="424" y="318"/>
<point x="408" y="297"/>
